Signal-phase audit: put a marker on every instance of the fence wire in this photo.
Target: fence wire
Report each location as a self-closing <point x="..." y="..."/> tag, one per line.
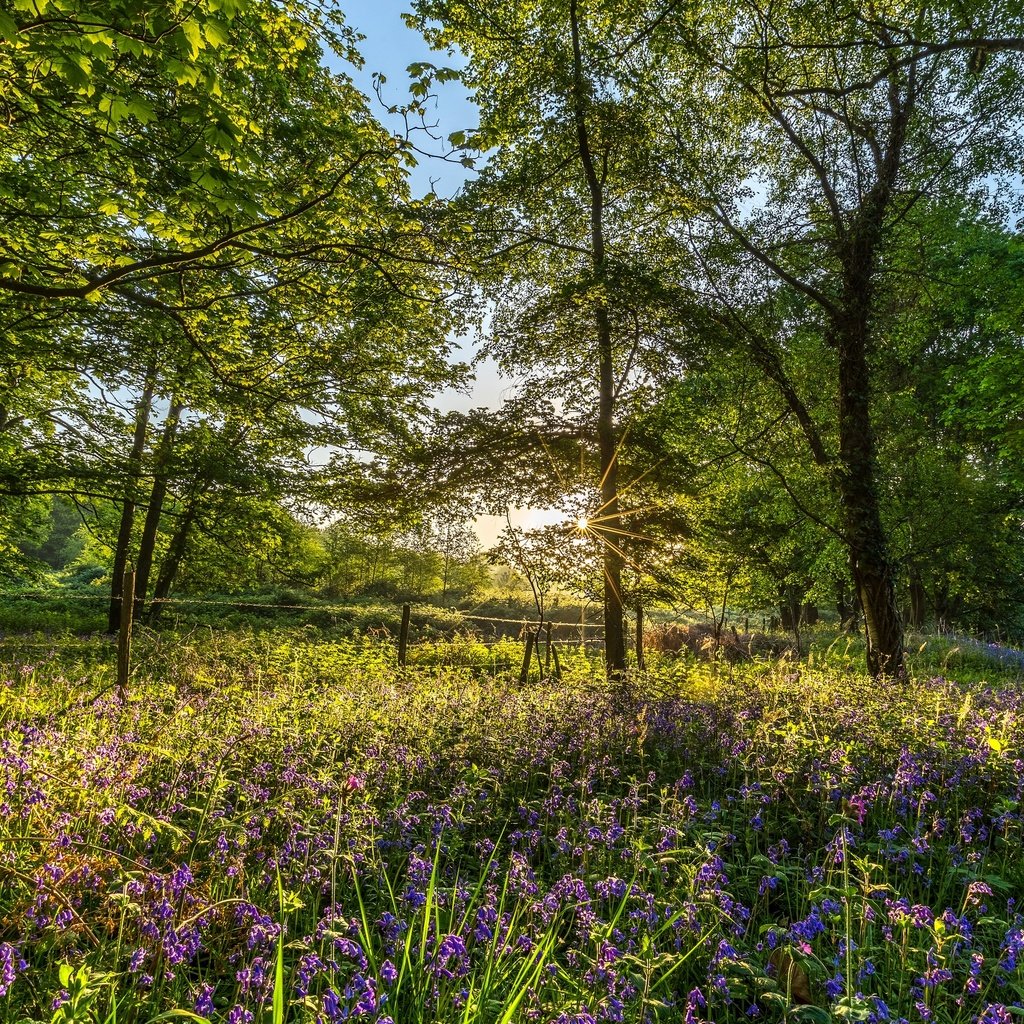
<point x="273" y="606"/>
<point x="526" y="625"/>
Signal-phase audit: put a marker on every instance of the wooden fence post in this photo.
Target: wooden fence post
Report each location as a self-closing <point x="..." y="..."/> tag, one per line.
<point x="524" y="672"/>
<point x="124" y="636"/>
<point x="640" y="664"/>
<point x="403" y="636"/>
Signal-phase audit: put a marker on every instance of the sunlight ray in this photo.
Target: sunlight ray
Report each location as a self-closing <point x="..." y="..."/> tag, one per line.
<point x="627" y="559"/>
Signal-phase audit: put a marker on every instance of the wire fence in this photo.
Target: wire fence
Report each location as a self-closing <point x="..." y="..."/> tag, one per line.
<point x="533" y="636"/>
<point x="273" y="606"/>
<point x="585" y="632"/>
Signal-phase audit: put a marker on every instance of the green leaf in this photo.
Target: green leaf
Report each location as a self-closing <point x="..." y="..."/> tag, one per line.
<point x="141" y="110"/>
<point x="812" y="1014"/>
<point x="8" y="27"/>
<point x="119" y="110"/>
<point x="190" y="30"/>
<point x="177" y="1014"/>
<point x="72" y="71"/>
<point x="216" y="33"/>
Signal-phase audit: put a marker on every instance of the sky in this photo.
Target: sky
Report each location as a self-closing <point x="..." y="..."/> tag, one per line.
<point x="389" y="47"/>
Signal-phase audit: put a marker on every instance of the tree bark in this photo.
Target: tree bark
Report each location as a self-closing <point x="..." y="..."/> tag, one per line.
<point x="172" y="562"/>
<point x="948" y="608"/>
<point x="918" y="602"/>
<point x="790" y="606"/>
<point x="127" y="524"/>
<point x="641" y="663"/>
<point x="857" y="481"/>
<point x="609" y="526"/>
<point x="151" y="527"/>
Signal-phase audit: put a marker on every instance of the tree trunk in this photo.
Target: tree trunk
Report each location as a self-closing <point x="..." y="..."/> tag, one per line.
<point x="609" y="526"/>
<point x="131" y="484"/>
<point x="444" y="573"/>
<point x="147" y="545"/>
<point x="918" y="602"/>
<point x="790" y="598"/>
<point x="873" y="573"/>
<point x="948" y="608"/>
<point x="172" y="562"/>
<point x="786" y="618"/>
<point x="843" y="609"/>
<point x="640" y="661"/>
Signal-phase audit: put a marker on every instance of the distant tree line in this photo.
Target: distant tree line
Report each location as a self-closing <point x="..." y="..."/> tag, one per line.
<point x="438" y="561"/>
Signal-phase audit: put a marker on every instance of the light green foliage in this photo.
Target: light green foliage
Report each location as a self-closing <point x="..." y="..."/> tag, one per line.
<point x="229" y="232"/>
<point x="147" y="132"/>
<point x="438" y="559"/>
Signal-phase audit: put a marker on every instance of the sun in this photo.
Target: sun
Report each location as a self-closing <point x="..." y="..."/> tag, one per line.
<point x="582" y="524"/>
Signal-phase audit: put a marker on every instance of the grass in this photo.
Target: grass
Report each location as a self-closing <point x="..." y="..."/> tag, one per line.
<point x="83" y="610"/>
<point x="274" y="828"/>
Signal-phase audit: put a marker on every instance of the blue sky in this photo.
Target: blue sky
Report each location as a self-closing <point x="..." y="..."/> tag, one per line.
<point x="390" y="47"/>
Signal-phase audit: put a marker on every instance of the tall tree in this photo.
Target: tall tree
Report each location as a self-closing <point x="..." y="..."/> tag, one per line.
<point x="835" y="128"/>
<point x="222" y="209"/>
<point x="557" y="215"/>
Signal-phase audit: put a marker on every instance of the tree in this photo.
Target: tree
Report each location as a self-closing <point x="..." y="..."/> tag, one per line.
<point x="556" y="216"/>
<point x="233" y="241"/>
<point x="453" y="538"/>
<point x="835" y="129"/>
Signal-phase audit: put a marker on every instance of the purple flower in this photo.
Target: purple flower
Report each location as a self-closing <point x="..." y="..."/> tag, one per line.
<point x="181" y="879"/>
<point x="204" y="1001"/>
<point x="331" y="1003"/>
<point x="995" y="1013"/>
<point x="694" y="1001"/>
<point x="10" y="964"/>
<point x="975" y="891"/>
<point x="880" y="1011"/>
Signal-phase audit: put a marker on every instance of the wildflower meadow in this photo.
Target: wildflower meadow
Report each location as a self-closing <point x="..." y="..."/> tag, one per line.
<point x="270" y="831"/>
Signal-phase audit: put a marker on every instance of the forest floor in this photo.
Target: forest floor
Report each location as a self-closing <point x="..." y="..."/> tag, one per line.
<point x="273" y="828"/>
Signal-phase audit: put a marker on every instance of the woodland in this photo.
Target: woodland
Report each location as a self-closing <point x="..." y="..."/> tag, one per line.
<point x="751" y="279"/>
<point x="755" y="272"/>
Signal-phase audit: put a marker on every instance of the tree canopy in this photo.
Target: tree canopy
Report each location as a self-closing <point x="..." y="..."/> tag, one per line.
<point x="756" y="271"/>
